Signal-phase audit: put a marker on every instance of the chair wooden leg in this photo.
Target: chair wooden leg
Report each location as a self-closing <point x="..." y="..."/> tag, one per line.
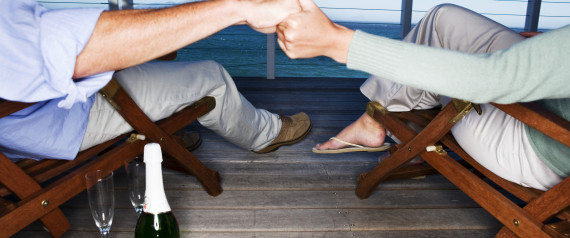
<point x="412" y="171"/>
<point x="6" y="206"/>
<point x="414" y="145"/>
<point x="64" y="188"/>
<point x="551" y="202"/>
<point x="546" y="206"/>
<point x="209" y="179"/>
<point x="23" y="186"/>
<point x="517" y="220"/>
<point x="508" y="213"/>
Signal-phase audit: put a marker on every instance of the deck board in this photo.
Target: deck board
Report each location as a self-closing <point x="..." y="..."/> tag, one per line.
<point x="293" y="192"/>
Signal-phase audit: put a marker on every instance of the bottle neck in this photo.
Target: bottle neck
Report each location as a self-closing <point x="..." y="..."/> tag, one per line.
<point x="155" y="201"/>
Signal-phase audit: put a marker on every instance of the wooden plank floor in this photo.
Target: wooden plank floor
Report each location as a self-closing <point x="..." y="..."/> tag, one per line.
<point x="293" y="192"/>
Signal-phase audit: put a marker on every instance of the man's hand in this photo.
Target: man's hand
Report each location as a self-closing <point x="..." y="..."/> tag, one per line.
<point x="311" y="33"/>
<point x="264" y="15"/>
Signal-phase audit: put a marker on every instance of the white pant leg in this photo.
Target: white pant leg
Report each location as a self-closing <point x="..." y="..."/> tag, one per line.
<point x="397" y="97"/>
<point x="500" y="143"/>
<point x="163" y="88"/>
<point x="495" y="140"/>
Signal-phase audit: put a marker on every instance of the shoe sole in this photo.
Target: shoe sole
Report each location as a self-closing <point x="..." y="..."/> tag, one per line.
<point x="276" y="146"/>
<point x="384" y="147"/>
<point x="195" y="145"/>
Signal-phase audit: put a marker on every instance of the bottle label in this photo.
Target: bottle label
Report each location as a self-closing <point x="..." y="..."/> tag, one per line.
<point x="146" y="205"/>
<point x="155" y="207"/>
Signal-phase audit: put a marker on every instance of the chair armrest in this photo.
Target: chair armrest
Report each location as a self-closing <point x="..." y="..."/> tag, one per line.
<point x="540" y="119"/>
<point x="9" y="107"/>
<point x="529" y="34"/>
<point x="168" y="57"/>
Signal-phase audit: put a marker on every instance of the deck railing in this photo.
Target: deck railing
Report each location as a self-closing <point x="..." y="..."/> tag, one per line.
<point x="254" y="51"/>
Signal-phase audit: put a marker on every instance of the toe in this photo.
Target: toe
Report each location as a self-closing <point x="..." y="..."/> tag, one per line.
<point x="331" y="144"/>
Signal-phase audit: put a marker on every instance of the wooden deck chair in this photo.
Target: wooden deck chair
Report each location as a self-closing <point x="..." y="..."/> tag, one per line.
<point x="527" y="221"/>
<point x="33" y="190"/>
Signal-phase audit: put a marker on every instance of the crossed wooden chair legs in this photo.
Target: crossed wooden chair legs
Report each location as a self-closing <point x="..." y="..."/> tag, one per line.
<point x="527" y="221"/>
<point x="25" y="179"/>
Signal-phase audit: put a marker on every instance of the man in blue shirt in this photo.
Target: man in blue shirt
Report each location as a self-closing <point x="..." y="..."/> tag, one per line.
<point x="61" y="58"/>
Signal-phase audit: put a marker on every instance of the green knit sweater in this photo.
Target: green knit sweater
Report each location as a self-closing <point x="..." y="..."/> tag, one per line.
<point x="532" y="70"/>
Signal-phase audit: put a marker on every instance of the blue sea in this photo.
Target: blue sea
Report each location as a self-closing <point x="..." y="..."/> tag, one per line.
<point x="242" y="51"/>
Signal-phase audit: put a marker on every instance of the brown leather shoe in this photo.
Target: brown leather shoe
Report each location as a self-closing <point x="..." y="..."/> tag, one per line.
<point x="189" y="139"/>
<point x="293" y="129"/>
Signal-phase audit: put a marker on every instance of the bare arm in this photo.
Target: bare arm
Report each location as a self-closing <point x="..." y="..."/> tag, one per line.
<point x="126" y="38"/>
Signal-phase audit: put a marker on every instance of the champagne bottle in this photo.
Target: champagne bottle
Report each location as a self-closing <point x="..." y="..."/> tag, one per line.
<point x="156" y="220"/>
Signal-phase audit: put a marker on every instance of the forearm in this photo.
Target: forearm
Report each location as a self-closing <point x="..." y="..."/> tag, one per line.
<point x="125" y="38"/>
<point x="530" y="70"/>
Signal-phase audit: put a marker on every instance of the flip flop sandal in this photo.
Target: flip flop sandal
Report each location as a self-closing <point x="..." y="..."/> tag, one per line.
<point x="352" y="148"/>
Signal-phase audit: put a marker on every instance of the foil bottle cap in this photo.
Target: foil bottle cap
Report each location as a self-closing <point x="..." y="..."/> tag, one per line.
<point x="155" y="198"/>
<point x="152" y="153"/>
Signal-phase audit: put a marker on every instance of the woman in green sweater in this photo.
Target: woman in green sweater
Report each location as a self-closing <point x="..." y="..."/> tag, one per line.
<point x="457" y="53"/>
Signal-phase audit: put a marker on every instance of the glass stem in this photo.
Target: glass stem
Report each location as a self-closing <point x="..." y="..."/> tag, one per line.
<point x="105" y="232"/>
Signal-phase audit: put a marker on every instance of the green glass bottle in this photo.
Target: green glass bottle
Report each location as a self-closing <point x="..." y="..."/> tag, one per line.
<point x="157" y="225"/>
<point x="156" y="220"/>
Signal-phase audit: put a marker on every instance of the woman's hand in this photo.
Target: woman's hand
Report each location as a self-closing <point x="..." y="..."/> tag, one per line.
<point x="311" y="33"/>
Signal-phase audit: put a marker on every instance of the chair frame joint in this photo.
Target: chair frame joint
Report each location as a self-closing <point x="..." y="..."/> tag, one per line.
<point x="108" y="92"/>
<point x="371" y="107"/>
<point x="463" y="108"/>
<point x="437" y="149"/>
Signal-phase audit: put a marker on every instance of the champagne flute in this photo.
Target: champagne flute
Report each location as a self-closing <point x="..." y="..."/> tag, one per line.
<point x="136" y="180"/>
<point x="100" y="191"/>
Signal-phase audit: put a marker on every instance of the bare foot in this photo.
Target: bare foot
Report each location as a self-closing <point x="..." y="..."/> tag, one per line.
<point x="364" y="131"/>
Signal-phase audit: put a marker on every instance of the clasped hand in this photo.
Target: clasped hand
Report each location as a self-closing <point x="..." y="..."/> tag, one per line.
<point x="303" y="30"/>
<point x="311" y="33"/>
<point x="266" y="14"/>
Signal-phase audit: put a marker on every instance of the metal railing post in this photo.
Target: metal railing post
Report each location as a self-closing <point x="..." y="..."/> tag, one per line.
<point x="126" y="4"/>
<point x="532" y="15"/>
<point x="271" y="56"/>
<point x="113" y="5"/>
<point x="120" y="4"/>
<point x="406" y="17"/>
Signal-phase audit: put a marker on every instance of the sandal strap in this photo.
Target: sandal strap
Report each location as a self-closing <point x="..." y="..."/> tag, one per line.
<point x="345" y="142"/>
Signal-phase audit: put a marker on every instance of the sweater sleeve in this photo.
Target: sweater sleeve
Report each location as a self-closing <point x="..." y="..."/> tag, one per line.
<point x="534" y="69"/>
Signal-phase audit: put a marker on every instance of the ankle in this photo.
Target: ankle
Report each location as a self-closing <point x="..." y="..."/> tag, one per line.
<point x="374" y="133"/>
<point x="371" y="124"/>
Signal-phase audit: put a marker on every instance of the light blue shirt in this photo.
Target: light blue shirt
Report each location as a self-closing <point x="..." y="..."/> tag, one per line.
<point x="39" y="48"/>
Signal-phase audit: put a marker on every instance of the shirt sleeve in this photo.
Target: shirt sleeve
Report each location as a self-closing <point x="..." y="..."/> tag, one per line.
<point x="534" y="69"/>
<point x="40" y="47"/>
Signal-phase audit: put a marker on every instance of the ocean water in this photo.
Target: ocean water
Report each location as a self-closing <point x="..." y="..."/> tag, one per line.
<point x="242" y="51"/>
